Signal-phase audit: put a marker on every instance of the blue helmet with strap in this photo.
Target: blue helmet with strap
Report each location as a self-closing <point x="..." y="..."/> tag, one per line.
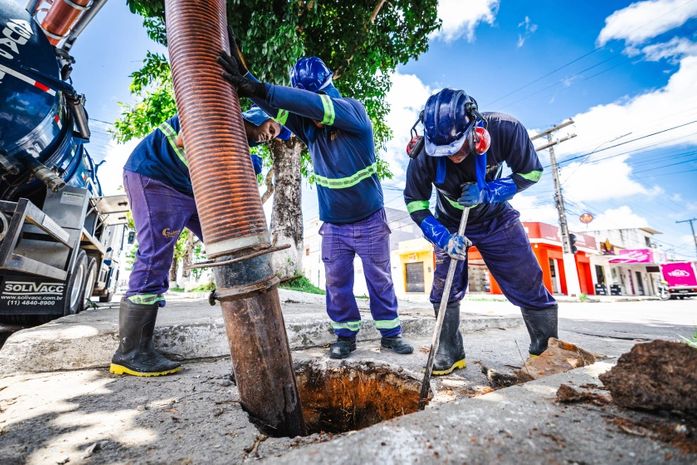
<point x="310" y="73"/>
<point x="449" y="118"/>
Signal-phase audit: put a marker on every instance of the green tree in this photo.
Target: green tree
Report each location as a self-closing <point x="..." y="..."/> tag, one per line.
<point x="363" y="41"/>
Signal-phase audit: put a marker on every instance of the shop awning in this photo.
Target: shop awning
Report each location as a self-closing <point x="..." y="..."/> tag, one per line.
<point x="629" y="256"/>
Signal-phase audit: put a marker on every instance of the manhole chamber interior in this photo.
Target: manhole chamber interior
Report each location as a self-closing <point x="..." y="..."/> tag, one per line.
<point x="352" y="395"/>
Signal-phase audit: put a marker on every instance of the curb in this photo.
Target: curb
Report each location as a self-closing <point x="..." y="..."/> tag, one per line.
<point x="88" y="339"/>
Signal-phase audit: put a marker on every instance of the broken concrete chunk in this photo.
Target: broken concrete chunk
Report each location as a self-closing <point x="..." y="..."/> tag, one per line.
<point x="559" y="357"/>
<point x="658" y="375"/>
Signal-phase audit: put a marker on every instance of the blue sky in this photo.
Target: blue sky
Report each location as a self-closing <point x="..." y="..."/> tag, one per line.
<point x="621" y="69"/>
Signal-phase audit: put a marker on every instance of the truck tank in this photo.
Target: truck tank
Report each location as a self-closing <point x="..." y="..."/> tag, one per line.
<point x="43" y="126"/>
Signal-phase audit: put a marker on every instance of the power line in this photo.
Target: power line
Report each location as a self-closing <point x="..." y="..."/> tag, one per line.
<point x="646" y="136"/>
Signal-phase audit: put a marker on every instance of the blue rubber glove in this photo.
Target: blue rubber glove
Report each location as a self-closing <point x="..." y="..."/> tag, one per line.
<point x="451" y="243"/>
<point x="496" y="191"/>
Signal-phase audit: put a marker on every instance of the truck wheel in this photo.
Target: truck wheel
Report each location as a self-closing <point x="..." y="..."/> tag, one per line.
<point x="90" y="280"/>
<point x="76" y="283"/>
<point x="106" y="297"/>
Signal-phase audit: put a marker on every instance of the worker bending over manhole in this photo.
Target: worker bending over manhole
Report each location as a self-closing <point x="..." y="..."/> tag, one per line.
<point x="158" y="185"/>
<point x="454" y="130"/>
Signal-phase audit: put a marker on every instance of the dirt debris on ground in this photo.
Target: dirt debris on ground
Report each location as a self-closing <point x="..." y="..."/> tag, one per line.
<point x="659" y="375"/>
<point x="678" y="433"/>
<point x="569" y="395"/>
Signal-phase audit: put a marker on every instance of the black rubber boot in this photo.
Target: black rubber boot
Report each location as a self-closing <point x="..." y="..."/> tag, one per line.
<point x="343" y="347"/>
<point x="541" y="324"/>
<point x="136" y="354"/>
<point x="398" y="344"/>
<point x="451" y="350"/>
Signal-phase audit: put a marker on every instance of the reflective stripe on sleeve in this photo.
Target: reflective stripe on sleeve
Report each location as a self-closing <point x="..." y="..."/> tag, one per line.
<point x="532" y="176"/>
<point x="417" y="205"/>
<point x="171" y="135"/>
<point x="328" y="109"/>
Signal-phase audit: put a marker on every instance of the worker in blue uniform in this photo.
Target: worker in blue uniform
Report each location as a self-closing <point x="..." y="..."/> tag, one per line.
<point x="455" y="134"/>
<point x="158" y="185"/>
<point x="339" y="136"/>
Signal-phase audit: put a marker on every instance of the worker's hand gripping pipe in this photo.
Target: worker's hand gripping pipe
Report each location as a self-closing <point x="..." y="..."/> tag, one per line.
<point x="435" y="340"/>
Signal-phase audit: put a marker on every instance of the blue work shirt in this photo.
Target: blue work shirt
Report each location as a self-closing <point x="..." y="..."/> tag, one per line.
<point x="157" y="156"/>
<point x="342" y="151"/>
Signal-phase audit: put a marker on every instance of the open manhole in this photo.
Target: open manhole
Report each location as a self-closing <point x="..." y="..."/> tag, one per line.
<point x="351" y="396"/>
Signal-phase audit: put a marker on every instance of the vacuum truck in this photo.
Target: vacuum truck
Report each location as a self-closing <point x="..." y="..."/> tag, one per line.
<point x="60" y="239"/>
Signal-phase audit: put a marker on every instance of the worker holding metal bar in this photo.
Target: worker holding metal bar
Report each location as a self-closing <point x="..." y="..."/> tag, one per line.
<point x="157" y="182"/>
<point x="454" y="130"/>
<point x="339" y="136"/>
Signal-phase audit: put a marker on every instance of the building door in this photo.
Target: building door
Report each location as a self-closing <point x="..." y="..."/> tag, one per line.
<point x="555" y="275"/>
<point x="640" y="283"/>
<point x="415" y="277"/>
<point x="600" y="275"/>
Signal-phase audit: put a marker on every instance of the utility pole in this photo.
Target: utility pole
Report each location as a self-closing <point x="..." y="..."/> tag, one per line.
<point x="692" y="227"/>
<point x="570" y="272"/>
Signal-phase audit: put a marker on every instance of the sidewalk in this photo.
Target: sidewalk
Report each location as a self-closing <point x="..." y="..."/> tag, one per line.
<point x="189" y="328"/>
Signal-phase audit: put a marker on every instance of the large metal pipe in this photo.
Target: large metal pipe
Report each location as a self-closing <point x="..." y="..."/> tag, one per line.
<point x="232" y="218"/>
<point x="61" y="17"/>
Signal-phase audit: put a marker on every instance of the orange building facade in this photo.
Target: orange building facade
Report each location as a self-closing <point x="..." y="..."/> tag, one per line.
<point x="545" y="241"/>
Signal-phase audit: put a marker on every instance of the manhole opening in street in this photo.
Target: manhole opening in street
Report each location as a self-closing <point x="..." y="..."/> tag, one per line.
<point x="350" y="397"/>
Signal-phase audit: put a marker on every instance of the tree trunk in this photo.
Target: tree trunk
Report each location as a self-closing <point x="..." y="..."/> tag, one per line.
<point x="188" y="255"/>
<point x="173" y="272"/>
<point x="286" y="212"/>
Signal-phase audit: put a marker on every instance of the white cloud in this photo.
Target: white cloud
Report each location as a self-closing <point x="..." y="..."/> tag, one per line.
<point x="406" y="99"/>
<point x="618" y="218"/>
<point x="612" y="179"/>
<point x="529" y="29"/>
<point x="653" y="111"/>
<point x="535" y="208"/>
<point x="460" y="18"/>
<point x="111" y="172"/>
<point x="644" y="20"/>
<point x="672" y="50"/>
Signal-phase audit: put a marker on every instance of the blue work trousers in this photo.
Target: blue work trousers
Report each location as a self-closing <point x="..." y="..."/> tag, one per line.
<point x="505" y="248"/>
<point x="160" y="214"/>
<point x="370" y="240"/>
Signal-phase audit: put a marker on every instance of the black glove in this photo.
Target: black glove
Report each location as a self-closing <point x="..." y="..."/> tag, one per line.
<point x="231" y="73"/>
<point x="236" y="51"/>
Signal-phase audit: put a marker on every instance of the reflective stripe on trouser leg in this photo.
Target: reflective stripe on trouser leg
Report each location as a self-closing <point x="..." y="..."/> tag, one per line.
<point x="371" y="239"/>
<point x="338" y="267"/>
<point x="160" y="213"/>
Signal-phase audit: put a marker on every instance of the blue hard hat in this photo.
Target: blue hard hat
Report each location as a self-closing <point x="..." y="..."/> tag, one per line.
<point x="310" y="73"/>
<point x="447" y="120"/>
<point x="257" y="117"/>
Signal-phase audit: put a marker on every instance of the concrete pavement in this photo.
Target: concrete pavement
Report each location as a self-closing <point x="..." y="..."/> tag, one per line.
<point x="89" y="416"/>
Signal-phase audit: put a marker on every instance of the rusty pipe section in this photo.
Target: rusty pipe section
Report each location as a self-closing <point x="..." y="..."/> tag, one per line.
<point x="222" y="175"/>
<point x="259" y="346"/>
<point x="60" y="18"/>
<point x="232" y="218"/>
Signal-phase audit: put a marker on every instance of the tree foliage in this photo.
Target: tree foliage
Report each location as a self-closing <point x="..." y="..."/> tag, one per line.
<point x="363" y="41"/>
